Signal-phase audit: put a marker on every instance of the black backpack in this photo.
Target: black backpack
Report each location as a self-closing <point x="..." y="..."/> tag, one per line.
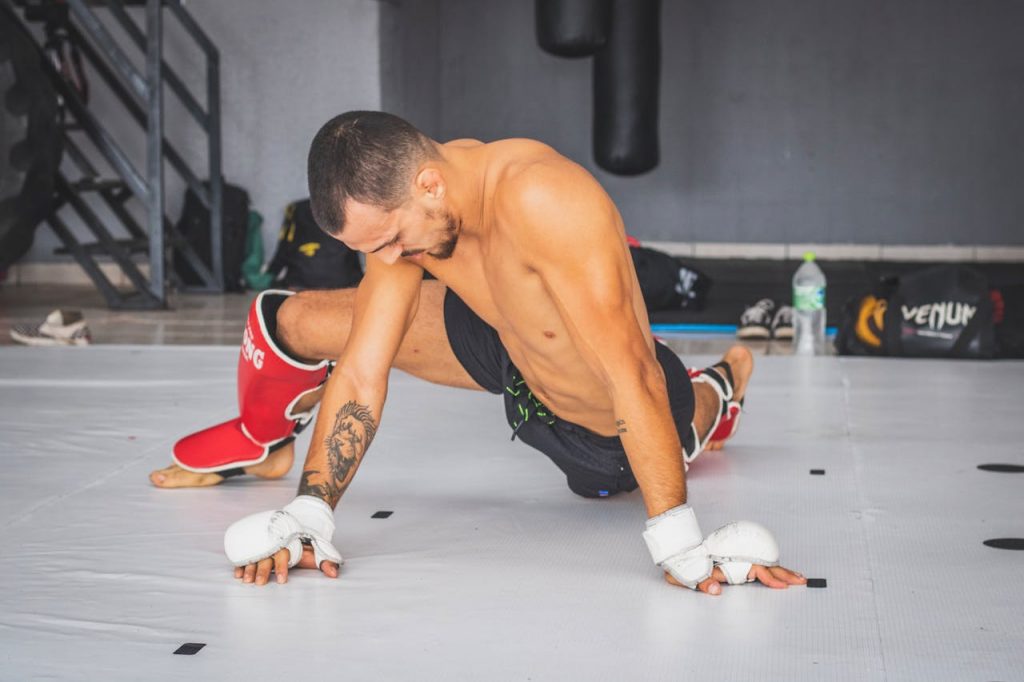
<point x="194" y="225"/>
<point x="308" y="258"/>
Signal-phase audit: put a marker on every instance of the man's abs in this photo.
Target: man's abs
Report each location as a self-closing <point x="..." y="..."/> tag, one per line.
<point x="518" y="306"/>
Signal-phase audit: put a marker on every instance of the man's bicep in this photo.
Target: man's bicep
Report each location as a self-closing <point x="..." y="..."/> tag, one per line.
<point x="386" y="303"/>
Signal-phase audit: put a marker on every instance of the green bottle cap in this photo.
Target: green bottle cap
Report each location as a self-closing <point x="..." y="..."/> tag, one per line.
<point x="808" y="256"/>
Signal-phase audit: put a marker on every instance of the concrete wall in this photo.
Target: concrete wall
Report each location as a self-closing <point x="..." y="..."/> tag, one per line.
<point x="825" y="121"/>
<point x="285" y="69"/>
<point x="828" y="121"/>
<point x="410" y="70"/>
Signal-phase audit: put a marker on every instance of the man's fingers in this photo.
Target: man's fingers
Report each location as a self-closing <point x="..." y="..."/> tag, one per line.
<point x="281" y="565"/>
<point x="249" y="573"/>
<point x="710" y="586"/>
<point x="263" y="570"/>
<point x="790" y="577"/>
<point x="307" y="560"/>
<point x="238" y="571"/>
<point x="766" y="578"/>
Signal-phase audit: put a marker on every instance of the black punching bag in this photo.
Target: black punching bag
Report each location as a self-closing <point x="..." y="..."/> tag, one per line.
<point x="627" y="71"/>
<point x="572" y="28"/>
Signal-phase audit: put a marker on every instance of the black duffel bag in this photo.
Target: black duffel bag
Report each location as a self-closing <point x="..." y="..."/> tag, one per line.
<point x="939" y="312"/>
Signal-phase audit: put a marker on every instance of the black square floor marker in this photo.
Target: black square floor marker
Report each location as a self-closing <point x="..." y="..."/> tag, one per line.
<point x="817" y="472"/>
<point x="382" y="515"/>
<point x="190" y="648"/>
<point x="817" y="582"/>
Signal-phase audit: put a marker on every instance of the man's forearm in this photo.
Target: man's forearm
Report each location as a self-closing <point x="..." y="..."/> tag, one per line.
<point x="652" y="444"/>
<point x="348" y="420"/>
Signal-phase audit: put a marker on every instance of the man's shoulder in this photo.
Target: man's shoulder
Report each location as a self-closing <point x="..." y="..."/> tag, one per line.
<point x="553" y="204"/>
<point x="539" y="178"/>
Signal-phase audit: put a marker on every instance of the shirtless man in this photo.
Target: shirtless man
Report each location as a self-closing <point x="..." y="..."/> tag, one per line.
<point x="535" y="299"/>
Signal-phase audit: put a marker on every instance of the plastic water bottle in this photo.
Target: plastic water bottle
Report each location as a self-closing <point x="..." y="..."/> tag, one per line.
<point x="809" y="308"/>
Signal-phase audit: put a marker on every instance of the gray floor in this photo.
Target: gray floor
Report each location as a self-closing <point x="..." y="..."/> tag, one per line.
<point x="190" y="319"/>
<point x="489" y="568"/>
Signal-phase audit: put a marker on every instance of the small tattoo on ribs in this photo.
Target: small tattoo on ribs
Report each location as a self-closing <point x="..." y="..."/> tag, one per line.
<point x="620" y="425"/>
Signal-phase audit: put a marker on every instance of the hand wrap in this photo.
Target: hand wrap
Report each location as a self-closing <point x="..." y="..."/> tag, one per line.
<point x="676" y="544"/>
<point x="736" y="546"/>
<point x="259" y="536"/>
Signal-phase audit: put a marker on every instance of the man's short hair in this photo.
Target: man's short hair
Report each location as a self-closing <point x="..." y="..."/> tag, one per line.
<point x="368" y="156"/>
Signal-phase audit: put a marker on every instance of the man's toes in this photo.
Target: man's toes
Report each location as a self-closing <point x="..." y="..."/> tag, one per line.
<point x="176" y="477"/>
<point x="159" y="476"/>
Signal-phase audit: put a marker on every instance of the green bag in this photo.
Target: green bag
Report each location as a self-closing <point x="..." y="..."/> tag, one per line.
<point x="253" y="272"/>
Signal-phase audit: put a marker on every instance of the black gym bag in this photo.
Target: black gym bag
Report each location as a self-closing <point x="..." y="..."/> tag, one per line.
<point x="939" y="312"/>
<point x="194" y="225"/>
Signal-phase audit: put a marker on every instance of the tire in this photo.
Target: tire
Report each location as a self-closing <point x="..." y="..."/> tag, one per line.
<point x="30" y="141"/>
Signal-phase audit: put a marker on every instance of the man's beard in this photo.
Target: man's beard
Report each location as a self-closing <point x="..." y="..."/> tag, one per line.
<point x="446" y="248"/>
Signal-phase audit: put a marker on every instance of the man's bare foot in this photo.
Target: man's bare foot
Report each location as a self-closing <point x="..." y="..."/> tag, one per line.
<point x="741" y="361"/>
<point x="276" y="465"/>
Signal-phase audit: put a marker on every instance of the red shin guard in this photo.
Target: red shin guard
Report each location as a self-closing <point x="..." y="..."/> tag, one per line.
<point x="728" y="419"/>
<point x="270" y="383"/>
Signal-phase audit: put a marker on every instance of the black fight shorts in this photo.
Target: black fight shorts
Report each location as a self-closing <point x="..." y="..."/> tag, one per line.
<point x="594" y="465"/>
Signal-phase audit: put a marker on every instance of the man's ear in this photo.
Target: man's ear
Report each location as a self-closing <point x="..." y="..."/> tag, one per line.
<point x="430" y="182"/>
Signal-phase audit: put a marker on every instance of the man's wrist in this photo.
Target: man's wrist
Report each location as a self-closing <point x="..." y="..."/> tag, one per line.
<point x="676" y="544"/>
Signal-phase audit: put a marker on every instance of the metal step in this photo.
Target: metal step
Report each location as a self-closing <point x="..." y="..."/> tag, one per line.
<point x="97" y="184"/>
<point x="97" y="249"/>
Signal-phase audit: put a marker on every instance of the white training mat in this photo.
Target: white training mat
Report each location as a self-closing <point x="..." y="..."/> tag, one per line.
<point x="489" y="568"/>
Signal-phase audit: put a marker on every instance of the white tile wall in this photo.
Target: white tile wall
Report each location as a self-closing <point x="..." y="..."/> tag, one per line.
<point x="855" y="252"/>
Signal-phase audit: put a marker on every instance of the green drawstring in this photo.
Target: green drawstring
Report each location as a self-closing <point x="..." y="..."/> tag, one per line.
<point x="539" y="409"/>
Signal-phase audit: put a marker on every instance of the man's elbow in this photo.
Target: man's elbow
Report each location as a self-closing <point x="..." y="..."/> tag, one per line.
<point x="642" y="373"/>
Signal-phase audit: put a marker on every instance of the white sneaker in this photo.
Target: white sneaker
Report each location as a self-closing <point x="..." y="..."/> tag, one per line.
<point x="60" y="328"/>
<point x="782" y="323"/>
<point x="756" y="321"/>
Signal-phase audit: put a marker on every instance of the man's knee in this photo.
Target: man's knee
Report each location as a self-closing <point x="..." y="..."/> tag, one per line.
<point x="314" y="325"/>
<point x="585" y="487"/>
<point x="292" y="316"/>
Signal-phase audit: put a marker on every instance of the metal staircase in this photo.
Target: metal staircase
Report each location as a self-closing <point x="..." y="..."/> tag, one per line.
<point x="80" y="187"/>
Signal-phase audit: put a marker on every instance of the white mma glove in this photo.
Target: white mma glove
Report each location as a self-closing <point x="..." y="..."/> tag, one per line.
<point x="736" y="546"/>
<point x="259" y="536"/>
<point x="676" y="544"/>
